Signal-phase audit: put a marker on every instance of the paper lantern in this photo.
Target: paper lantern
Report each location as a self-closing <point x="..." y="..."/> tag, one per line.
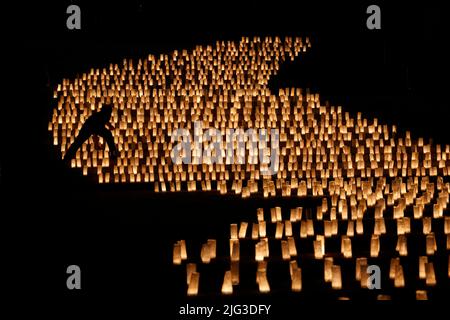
<point x="285" y="250"/>
<point x="383" y="297"/>
<point x="260" y="214"/>
<point x="402" y="247"/>
<point x="265" y="242"/>
<point x="350" y="228"/>
<point x="193" y="284"/>
<point x="190" y="269"/>
<point x="292" y="266"/>
<point x="359" y="226"/>
<point x="234" y="272"/>
<point x="423" y="260"/>
<point x="303" y="229"/>
<point x="418" y="211"/>
<point x="227" y="286"/>
<point x="318" y="254"/>
<point x="336" y="279"/>
<point x="328" y="269"/>
<point x="279" y="230"/>
<point x="255" y="231"/>
<point x="183" y="249"/>
<point x="361" y="264"/>
<point x="346" y="247"/>
<point x="296" y="282"/>
<point x="292" y="247"/>
<point x="234" y="246"/>
<point x="288" y="228"/>
<point x="243" y="230"/>
<point x="233" y="231"/>
<point x="309" y="227"/>
<point x="399" y="280"/>
<point x="275" y="214"/>
<point x="262" y="229"/>
<point x="205" y="253"/>
<point x="328" y="231"/>
<point x="426" y="225"/>
<point x="431" y="246"/>
<point x="421" y="295"/>
<point x="259" y="251"/>
<point x="393" y="267"/>
<point x="430" y="279"/>
<point x="177" y="253"/>
<point x="262" y="282"/>
<point x="374" y="246"/>
<point x="212" y="248"/>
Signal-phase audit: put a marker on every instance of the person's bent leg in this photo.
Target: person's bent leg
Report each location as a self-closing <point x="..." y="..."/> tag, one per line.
<point x="107" y="135"/>
<point x="79" y="140"/>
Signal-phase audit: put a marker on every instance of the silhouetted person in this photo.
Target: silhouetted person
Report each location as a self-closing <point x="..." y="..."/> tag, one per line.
<point x="97" y="125"/>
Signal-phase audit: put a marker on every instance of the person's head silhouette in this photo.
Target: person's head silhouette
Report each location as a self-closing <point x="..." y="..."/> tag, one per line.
<point x="107" y="110"/>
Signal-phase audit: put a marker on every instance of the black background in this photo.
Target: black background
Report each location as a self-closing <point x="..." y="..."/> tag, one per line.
<point x="121" y="236"/>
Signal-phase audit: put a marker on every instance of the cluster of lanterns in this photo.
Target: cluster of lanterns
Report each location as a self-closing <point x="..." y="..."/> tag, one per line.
<point x="363" y="169"/>
<point x="225" y="87"/>
<point x="302" y="236"/>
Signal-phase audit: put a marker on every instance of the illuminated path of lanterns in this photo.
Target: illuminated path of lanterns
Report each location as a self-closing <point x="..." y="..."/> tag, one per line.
<point x="372" y="177"/>
<point x="333" y="241"/>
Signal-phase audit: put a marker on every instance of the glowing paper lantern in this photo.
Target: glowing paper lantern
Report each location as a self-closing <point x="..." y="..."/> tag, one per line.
<point x="234" y="245"/>
<point x="262" y="229"/>
<point x="234" y="272"/>
<point x="402" y="247"/>
<point x="183" y="249"/>
<point x="205" y="253"/>
<point x="292" y="266"/>
<point x="359" y="226"/>
<point x="399" y="280"/>
<point x="279" y="230"/>
<point x="430" y="279"/>
<point x="260" y="214"/>
<point x="336" y="279"/>
<point x="288" y="228"/>
<point x="193" y="284"/>
<point x="309" y="227"/>
<point x="328" y="269"/>
<point x="285" y="250"/>
<point x="233" y="231"/>
<point x="361" y="264"/>
<point x="177" y="253"/>
<point x="243" y="230"/>
<point x="374" y="246"/>
<point x="421" y="295"/>
<point x="227" y="286"/>
<point x="255" y="231"/>
<point x="292" y="247"/>
<point x="346" y="247"/>
<point x="393" y="267"/>
<point x="431" y="246"/>
<point x="423" y="260"/>
<point x="296" y="282"/>
<point x="211" y="243"/>
<point x="426" y="225"/>
<point x="190" y="269"/>
<point x="262" y="282"/>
